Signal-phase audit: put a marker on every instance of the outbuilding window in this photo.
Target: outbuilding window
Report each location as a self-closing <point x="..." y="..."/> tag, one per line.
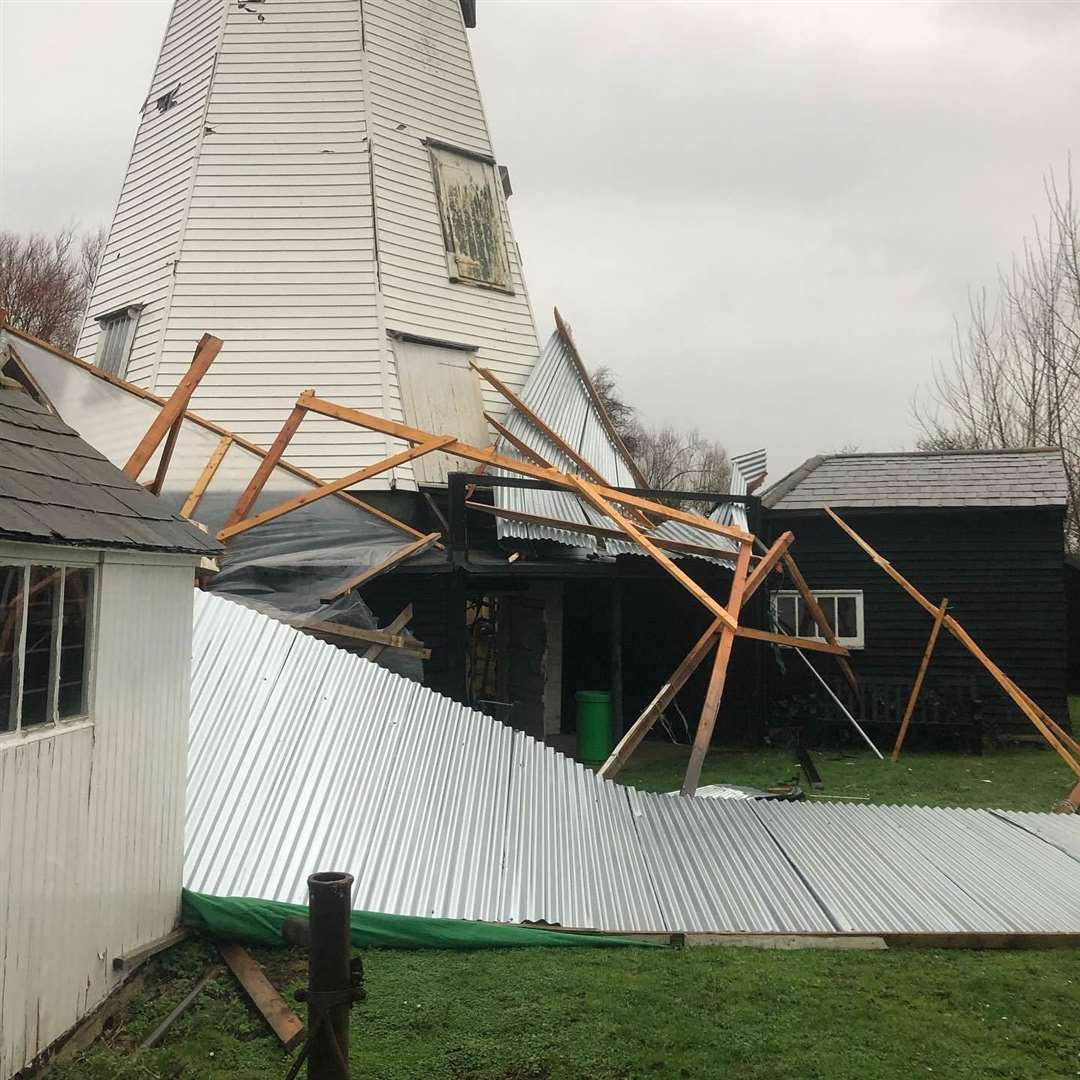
<point x="46" y="614"/>
<point x="115" y="338"/>
<point x="842" y="607"/>
<point x="470" y="205"/>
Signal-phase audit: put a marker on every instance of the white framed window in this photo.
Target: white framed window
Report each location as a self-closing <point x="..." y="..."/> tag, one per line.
<point x="46" y="630"/>
<point x="115" y="338"/>
<point x="842" y="607"/>
<point x="470" y="206"/>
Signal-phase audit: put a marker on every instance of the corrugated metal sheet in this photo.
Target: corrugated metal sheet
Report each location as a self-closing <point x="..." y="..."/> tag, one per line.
<point x="90" y="849"/>
<point x="555" y="392"/>
<point x="304" y="757"/>
<point x="1061" y="830"/>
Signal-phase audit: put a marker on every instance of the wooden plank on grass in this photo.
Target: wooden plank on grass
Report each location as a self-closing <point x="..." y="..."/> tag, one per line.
<point x="286" y="1025"/>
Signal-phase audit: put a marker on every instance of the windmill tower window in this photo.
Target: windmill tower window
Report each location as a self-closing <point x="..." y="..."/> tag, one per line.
<point x="115" y="338"/>
<point x="470" y="205"/>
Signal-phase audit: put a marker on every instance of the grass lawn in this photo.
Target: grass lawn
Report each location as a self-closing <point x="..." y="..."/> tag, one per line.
<point x="1012" y="779"/>
<point x="619" y="1014"/>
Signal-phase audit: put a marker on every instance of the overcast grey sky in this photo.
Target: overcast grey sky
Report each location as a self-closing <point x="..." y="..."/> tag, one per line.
<point x="763" y="217"/>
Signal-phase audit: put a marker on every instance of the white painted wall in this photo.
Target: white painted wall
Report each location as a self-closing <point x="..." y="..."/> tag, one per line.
<point x="91" y="812"/>
<point x="289" y="207"/>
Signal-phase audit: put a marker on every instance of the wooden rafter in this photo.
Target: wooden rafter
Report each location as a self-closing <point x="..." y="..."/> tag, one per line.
<point x="666" y="694"/>
<point x="524" y="468"/>
<point x="601" y="409"/>
<point x="786" y="640"/>
<point x="392" y="560"/>
<point x="358" y="477"/>
<point x="552" y="436"/>
<point x="173" y="409"/>
<point x="819" y="618"/>
<point x="208" y="425"/>
<point x="395" y="626"/>
<point x="155" y="485"/>
<point x="644" y="723"/>
<point x="518" y="444"/>
<point x="718" y="678"/>
<point x="1021" y="700"/>
<point x="592" y="495"/>
<point x="768" y="563"/>
<point x="682" y="547"/>
<point x="266" y="466"/>
<point x="191" y="503"/>
<point x="920" y="675"/>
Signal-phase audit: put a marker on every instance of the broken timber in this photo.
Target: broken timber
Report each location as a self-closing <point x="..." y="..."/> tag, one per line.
<point x="1020" y="699"/>
<point x="285" y="1024"/>
<point x="403" y="553"/>
<point x="172" y="411"/>
<point x="709" y="710"/>
<point x="916" y="687"/>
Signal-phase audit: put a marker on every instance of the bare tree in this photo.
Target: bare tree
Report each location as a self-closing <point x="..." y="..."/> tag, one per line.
<point x="1014" y="376"/>
<point x="683" y="461"/>
<point x="45" y="281"/>
<point x="668" y="458"/>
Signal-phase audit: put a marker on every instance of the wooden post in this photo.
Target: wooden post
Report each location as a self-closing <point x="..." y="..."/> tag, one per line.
<point x="810" y="600"/>
<point x="1018" y="697"/>
<point x="166" y="457"/>
<point x="266" y="466"/>
<point x="617" y="657"/>
<point x="916" y="687"/>
<point x="191" y="504"/>
<point x="666" y="694"/>
<point x="718" y="677"/>
<point x="173" y="409"/>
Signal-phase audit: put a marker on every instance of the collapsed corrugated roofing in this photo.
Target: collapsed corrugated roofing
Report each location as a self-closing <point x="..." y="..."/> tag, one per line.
<point x="958" y="478"/>
<point x="303" y="757"/>
<point x="558" y="391"/>
<point x="55" y="487"/>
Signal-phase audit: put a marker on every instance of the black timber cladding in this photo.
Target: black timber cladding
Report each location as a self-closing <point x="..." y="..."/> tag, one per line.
<point x="1032" y="477"/>
<point x="1001" y="570"/>
<point x="56" y="488"/>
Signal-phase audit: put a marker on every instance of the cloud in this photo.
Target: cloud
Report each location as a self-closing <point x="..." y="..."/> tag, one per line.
<point x="763" y="217"/>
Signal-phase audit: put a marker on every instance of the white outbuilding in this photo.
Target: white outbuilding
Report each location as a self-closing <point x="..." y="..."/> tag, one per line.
<point x="96" y="593"/>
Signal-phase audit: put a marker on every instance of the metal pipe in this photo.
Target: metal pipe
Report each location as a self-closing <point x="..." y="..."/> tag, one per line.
<point x="843" y="709"/>
<point x="329" y="982"/>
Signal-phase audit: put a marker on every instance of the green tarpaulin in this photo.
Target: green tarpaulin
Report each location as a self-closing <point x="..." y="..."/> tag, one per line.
<point x="258" y="922"/>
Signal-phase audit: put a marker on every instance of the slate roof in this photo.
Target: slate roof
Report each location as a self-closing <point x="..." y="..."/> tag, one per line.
<point x="957" y="478"/>
<point x="57" y="489"/>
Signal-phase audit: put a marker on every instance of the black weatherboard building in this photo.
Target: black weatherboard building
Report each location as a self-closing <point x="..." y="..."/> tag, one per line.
<point x="983" y="528"/>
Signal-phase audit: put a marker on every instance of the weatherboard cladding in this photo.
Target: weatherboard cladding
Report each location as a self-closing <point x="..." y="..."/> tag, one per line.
<point x="302" y="756"/>
<point x="954" y="479"/>
<point x="251" y="210"/>
<point x="54" y="487"/>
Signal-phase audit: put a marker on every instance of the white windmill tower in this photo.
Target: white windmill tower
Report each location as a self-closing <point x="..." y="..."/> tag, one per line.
<point x="313" y="182"/>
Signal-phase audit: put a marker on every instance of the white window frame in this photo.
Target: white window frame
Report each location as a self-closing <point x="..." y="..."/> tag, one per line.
<point x="11" y="727"/>
<point x="116" y="336"/>
<point x="856" y="642"/>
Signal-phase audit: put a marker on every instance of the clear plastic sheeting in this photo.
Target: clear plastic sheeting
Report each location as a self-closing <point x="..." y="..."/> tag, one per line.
<point x="286" y="566"/>
<point x="283" y="567"/>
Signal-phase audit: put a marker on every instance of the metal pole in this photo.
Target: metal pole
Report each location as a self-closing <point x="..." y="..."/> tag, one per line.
<point x="330" y="986"/>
